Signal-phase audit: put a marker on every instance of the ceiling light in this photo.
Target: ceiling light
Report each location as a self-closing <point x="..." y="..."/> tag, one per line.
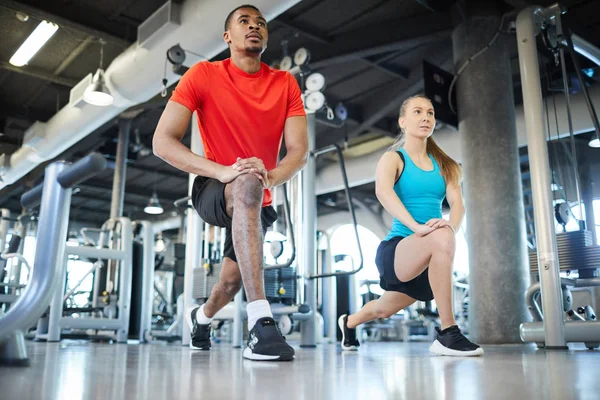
<point x="42" y="33"/>
<point x="97" y="93"/>
<point x="594" y="143"/>
<point x="153" y="206"/>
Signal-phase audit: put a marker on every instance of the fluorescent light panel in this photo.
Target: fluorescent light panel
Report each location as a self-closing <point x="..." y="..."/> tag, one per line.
<point x="42" y="33"/>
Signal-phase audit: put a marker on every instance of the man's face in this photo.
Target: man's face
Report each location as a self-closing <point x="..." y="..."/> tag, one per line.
<point x="247" y="31"/>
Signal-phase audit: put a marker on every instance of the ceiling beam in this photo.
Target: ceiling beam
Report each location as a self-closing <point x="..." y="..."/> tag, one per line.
<point x="388" y="36"/>
<point x="76" y="52"/>
<point x="386" y="101"/>
<point x="322" y="38"/>
<point x="39" y="73"/>
<point x="66" y="22"/>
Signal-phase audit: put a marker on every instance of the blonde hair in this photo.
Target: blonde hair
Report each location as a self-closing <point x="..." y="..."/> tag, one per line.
<point x="449" y="168"/>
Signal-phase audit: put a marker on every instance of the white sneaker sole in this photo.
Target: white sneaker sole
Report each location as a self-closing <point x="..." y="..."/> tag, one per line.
<point x="341" y="325"/>
<point x="441" y="350"/>
<point x="249" y="355"/>
<point x="188" y="319"/>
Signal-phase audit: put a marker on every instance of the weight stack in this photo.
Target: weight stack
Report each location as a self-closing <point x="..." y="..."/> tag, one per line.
<point x="575" y="251"/>
<point x="280" y="285"/>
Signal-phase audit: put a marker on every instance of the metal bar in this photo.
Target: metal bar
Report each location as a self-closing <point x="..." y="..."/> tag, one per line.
<point x="119" y="178"/>
<point x="33" y="197"/>
<point x="90" y="323"/>
<point x="125" y="278"/>
<point x="95" y="267"/>
<point x="8" y="298"/>
<point x="308" y="253"/>
<point x="575" y="164"/>
<point x="147" y="280"/>
<point x="93" y="252"/>
<point x="39" y="73"/>
<point x="527" y="30"/>
<point x="72" y="175"/>
<point x="532" y="305"/>
<point x="238" y="317"/>
<point x="290" y="232"/>
<point x="179" y="202"/>
<point x="586" y="94"/>
<point x="4" y="224"/>
<point x="586" y="49"/>
<point x="83" y="169"/>
<point x="53" y="222"/>
<point x="340" y="154"/>
<point x="56" y="305"/>
<point x="193" y="240"/>
<point x="575" y="331"/>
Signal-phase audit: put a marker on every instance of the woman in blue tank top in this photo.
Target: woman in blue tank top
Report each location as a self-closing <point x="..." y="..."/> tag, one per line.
<point x="415" y="259"/>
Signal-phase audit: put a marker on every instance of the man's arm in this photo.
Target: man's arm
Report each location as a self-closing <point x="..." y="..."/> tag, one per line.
<point x="295" y="134"/>
<point x="167" y="145"/>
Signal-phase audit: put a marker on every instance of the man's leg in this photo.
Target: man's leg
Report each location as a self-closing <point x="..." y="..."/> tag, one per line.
<point x="243" y="200"/>
<point x="230" y="282"/>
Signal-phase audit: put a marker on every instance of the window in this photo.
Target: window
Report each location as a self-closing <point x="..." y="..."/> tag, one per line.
<point x="343" y="242"/>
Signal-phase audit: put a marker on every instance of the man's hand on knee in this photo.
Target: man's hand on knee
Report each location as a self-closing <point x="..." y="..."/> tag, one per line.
<point x="256" y="167"/>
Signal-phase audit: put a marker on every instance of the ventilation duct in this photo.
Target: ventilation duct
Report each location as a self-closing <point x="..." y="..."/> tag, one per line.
<point x="135" y="76"/>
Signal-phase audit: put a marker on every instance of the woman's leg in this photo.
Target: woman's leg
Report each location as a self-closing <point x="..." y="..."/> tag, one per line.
<point x="384" y="307"/>
<point x="435" y="250"/>
<point x="440" y="275"/>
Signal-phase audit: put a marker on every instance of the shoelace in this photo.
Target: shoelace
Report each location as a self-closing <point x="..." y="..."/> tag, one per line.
<point x="276" y="327"/>
<point x="457" y="335"/>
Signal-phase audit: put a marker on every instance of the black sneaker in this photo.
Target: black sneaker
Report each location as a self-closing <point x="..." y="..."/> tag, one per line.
<point x="451" y="342"/>
<point x="200" y="334"/>
<point x="266" y="343"/>
<point x="349" y="340"/>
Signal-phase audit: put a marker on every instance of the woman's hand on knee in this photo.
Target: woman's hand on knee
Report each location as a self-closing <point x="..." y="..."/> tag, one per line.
<point x="437" y="223"/>
<point x="423" y="230"/>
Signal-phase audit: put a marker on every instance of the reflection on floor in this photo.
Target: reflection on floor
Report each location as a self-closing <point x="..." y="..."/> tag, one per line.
<point x="82" y="370"/>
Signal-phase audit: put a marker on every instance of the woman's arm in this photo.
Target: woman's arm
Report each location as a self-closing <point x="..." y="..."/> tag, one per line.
<point x="457" y="205"/>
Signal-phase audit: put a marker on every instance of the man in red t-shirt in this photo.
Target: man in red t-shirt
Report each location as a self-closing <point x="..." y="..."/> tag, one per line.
<point x="244" y="111"/>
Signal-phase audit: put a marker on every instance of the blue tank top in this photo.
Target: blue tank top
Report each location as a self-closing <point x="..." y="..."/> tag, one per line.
<point x="421" y="192"/>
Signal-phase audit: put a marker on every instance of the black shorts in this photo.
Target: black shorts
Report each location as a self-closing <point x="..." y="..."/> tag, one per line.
<point x="417" y="288"/>
<point x="208" y="198"/>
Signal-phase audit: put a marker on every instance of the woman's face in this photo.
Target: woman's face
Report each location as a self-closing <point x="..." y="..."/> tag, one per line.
<point x="418" y="119"/>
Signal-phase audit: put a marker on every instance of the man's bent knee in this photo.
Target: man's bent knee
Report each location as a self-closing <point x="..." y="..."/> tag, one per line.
<point x="247" y="189"/>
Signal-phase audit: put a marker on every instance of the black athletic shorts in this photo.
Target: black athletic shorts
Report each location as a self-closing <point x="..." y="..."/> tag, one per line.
<point x="208" y="198"/>
<point x="417" y="288"/>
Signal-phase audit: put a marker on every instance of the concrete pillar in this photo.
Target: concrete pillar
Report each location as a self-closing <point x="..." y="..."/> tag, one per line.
<point x="492" y="185"/>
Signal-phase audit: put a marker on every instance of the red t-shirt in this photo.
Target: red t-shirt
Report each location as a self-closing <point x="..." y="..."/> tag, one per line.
<point x="240" y="114"/>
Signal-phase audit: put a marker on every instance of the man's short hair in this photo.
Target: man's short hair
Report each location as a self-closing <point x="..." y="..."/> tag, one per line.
<point x="228" y="19"/>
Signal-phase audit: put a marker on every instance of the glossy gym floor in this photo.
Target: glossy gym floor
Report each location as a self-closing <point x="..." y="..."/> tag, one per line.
<point x="76" y="370"/>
